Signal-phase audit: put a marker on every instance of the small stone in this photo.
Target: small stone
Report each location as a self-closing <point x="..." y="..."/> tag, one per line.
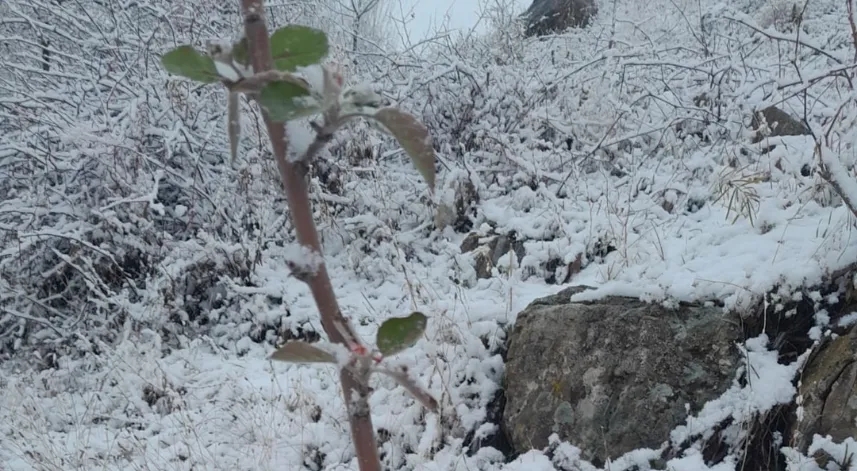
<point x="470" y="242"/>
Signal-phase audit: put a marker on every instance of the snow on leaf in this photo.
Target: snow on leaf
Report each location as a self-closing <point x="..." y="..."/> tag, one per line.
<point x="302" y="260"/>
<point x="286" y="101"/>
<point x="226" y="71"/>
<point x="296" y="46"/>
<point x="188" y="62"/>
<point x="414" y="137"/>
<point x="399" y="333"/>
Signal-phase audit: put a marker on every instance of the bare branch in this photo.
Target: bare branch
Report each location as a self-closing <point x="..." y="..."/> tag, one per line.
<point x="795" y="40"/>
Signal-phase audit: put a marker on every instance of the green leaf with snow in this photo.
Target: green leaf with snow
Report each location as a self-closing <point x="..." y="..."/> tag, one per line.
<point x="414" y="137"/>
<point x="296" y="46"/>
<point x="286" y="101"/>
<point x="302" y="352"/>
<point x="188" y="62"/>
<point x="399" y="333"/>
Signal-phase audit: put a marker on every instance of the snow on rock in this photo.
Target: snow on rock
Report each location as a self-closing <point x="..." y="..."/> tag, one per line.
<point x="769" y="384"/>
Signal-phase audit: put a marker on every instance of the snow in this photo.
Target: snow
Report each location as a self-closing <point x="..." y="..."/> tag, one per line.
<point x="838" y="452"/>
<point x="848" y="320"/>
<point x="769" y="384"/>
<point x="226" y="71"/>
<point x="570" y="144"/>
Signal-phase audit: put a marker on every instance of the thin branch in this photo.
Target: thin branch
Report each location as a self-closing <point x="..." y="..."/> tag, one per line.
<point x="355" y="391"/>
<point x="778" y="37"/>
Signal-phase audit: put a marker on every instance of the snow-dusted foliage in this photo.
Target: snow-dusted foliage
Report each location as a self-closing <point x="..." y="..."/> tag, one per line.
<point x="635" y="134"/>
<point x="119" y="208"/>
<point x="144" y="277"/>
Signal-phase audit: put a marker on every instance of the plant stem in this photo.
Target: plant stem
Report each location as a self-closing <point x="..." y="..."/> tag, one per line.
<point x="355" y="392"/>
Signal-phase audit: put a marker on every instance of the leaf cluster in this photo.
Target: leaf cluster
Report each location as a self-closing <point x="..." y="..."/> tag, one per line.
<point x="289" y="92"/>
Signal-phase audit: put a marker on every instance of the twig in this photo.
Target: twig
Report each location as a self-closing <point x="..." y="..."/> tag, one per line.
<point x="778" y="37"/>
<point x="34" y="319"/>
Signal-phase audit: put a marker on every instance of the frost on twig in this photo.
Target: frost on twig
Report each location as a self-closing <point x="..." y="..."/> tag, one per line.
<point x="303" y="261"/>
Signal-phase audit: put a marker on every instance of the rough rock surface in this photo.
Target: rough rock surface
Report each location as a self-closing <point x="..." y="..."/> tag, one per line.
<point x="553" y="16"/>
<point x="613" y="375"/>
<point x="829" y="392"/>
<point x="778" y="123"/>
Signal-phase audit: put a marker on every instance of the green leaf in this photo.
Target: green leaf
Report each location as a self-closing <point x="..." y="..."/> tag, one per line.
<point x="302" y="352"/>
<point x="239" y="52"/>
<point x="413" y="137"/>
<point x="296" y="46"/>
<point x="399" y="333"/>
<point x="286" y="101"/>
<point x="188" y="62"/>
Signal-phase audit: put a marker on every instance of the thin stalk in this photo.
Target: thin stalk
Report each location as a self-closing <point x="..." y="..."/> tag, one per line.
<point x="355" y="392"/>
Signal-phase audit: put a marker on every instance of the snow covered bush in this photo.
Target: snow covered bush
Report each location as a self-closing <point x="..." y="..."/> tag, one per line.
<point x="99" y="171"/>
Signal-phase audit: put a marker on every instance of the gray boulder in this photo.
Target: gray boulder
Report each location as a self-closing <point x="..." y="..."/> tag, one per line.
<point x="554" y="16"/>
<point x="828" y="390"/>
<point x="614" y="375"/>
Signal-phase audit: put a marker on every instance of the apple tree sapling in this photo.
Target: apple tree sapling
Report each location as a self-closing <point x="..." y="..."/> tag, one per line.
<point x="283" y="73"/>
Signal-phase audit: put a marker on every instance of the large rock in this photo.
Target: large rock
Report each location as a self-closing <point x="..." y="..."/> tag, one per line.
<point x="554" y="16"/>
<point x="613" y="375"/>
<point x="828" y="390"/>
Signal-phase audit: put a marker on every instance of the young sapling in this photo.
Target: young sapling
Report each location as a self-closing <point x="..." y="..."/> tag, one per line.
<point x="283" y="73"/>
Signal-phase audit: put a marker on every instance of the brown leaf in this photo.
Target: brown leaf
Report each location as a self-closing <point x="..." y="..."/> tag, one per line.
<point x="414" y="137"/>
<point x="302" y="352"/>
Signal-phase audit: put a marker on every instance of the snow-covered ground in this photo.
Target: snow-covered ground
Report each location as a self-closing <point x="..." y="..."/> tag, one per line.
<point x="579" y="142"/>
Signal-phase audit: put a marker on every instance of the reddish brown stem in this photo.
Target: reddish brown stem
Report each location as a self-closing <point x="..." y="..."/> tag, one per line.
<point x="355" y="392"/>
